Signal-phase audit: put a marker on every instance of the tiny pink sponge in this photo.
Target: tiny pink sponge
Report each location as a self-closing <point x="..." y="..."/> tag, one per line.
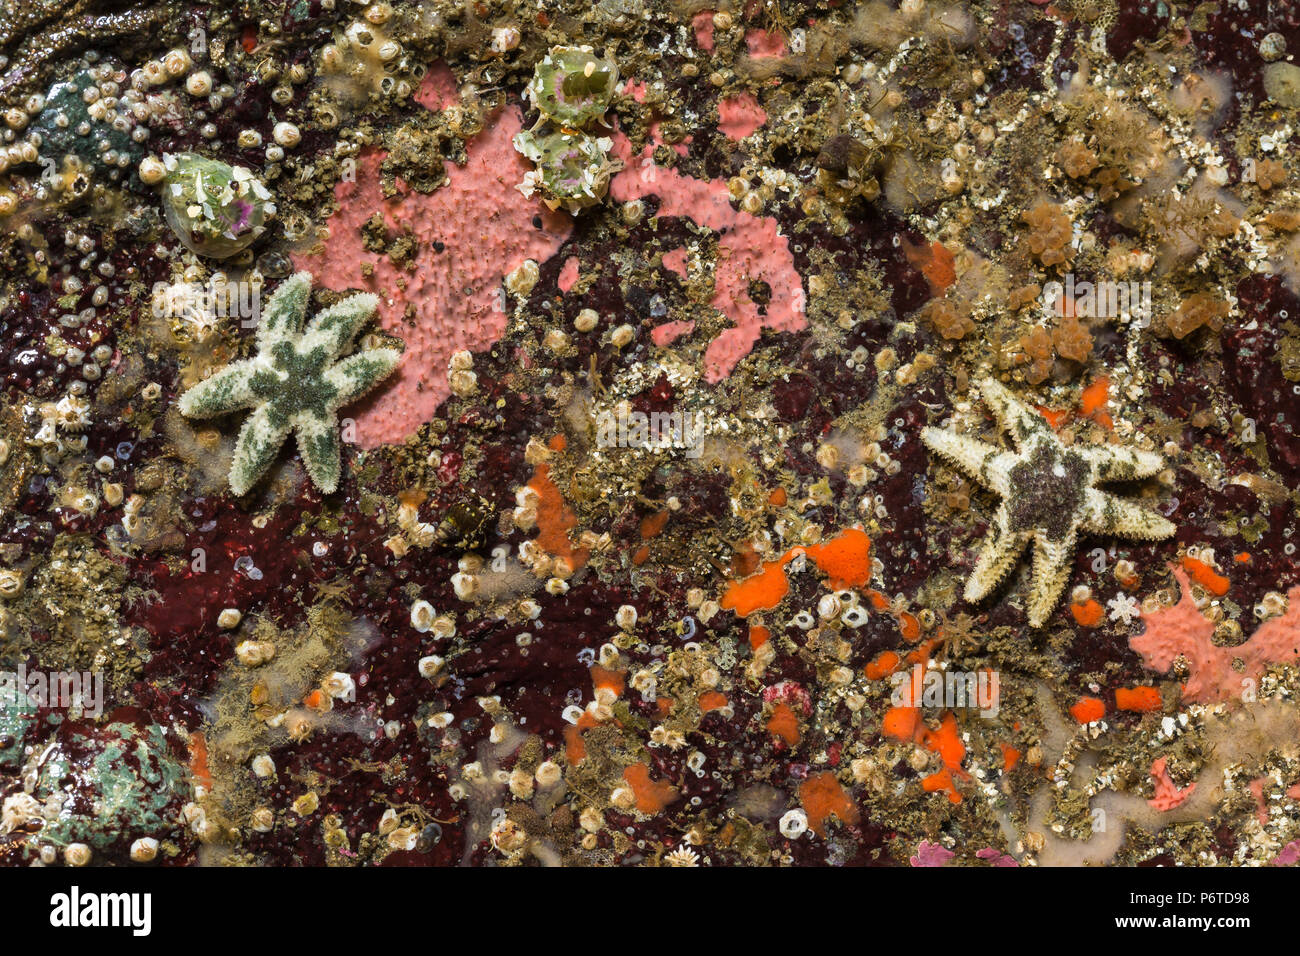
<point x="471" y="233"/>
<point x="750" y="248"/>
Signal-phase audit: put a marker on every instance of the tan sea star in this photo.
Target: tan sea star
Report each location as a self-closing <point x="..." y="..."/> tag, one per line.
<point x="1049" y="496"/>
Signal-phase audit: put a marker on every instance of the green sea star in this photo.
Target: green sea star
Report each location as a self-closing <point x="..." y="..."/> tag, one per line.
<point x="296" y="382"/>
<point x="1049" y="496"/>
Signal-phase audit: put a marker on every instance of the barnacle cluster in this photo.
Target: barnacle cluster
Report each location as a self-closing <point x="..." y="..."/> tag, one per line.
<point x="572" y="89"/>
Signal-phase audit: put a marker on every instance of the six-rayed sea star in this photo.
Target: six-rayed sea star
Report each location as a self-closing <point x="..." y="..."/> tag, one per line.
<point x="295" y="382"/>
<point x="1049" y="496"/>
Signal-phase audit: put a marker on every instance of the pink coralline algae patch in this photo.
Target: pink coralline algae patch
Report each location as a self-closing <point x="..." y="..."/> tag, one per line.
<point x="668" y="333"/>
<point x="438" y="88"/>
<point x="764" y="44"/>
<point x="484" y="229"/>
<point x="702" y="24"/>
<point x="675" y="260"/>
<point x="750" y="249"/>
<point x="568" y="274"/>
<point x="996" y="857"/>
<point x="930" y="854"/>
<point x="1167" y="796"/>
<point x="1289" y="856"/>
<point x="1184" y="630"/>
<point x="739" y="115"/>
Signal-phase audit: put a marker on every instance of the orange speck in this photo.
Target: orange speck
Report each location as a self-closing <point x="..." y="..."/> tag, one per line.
<point x="1054" y="418"/>
<point x="641" y="556"/>
<point x="884" y="664"/>
<point x="900" y="722"/>
<point x="935" y="262"/>
<point x="923" y="651"/>
<point x="574" y="746"/>
<point x="1010" y="757"/>
<point x="1206" y="576"/>
<point x="1095" y="396"/>
<point x="314" y="700"/>
<point x="761" y="592"/>
<point x="610" y="680"/>
<point x="909" y="627"/>
<point x="822" y="797"/>
<point x="946" y="742"/>
<point x="784" y="724"/>
<point x="878" y="600"/>
<point x="1094" y="399"/>
<point x="558" y="443"/>
<point x="1242" y="558"/>
<point x="712" y="700"/>
<point x="758" y="636"/>
<point x="1088" y="614"/>
<point x="651" y="795"/>
<point x="199" y="761"/>
<point x="554" y="517"/>
<point x="665" y="705"/>
<point x="652" y="525"/>
<point x="249" y="38"/>
<point x="1088" y="709"/>
<point x="1142" y="699"/>
<point x="845" y="559"/>
<point x="939" y="781"/>
<point x="777" y="498"/>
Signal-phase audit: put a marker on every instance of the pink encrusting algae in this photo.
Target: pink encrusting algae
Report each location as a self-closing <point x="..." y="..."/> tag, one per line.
<point x="1182" y="630"/>
<point x="749" y="248"/>
<point x="1167" y="794"/>
<point x="740" y="115"/>
<point x="484" y="229"/>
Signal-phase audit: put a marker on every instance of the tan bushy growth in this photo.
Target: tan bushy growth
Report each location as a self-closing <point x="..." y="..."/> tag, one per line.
<point x="1050" y="234"/>
<point x="1192" y="223"/>
<point x="1023" y="296"/>
<point x="1125" y="137"/>
<point x="1069" y="339"/>
<point x="948" y="319"/>
<point x="1270" y="173"/>
<point x="1199" y="310"/>
<point x="1036" y="345"/>
<point x="1072" y="339"/>
<point x="1076" y="159"/>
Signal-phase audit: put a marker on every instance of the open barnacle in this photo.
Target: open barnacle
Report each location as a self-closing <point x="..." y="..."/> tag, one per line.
<point x="573" y="170"/>
<point x="573" y="87"/>
<point x="214" y="209"/>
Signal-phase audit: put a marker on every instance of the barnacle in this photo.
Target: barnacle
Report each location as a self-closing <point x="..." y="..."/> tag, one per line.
<point x="214" y="209"/>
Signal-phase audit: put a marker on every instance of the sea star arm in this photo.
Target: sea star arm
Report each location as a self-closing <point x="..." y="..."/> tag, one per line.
<point x="229" y="390"/>
<point x="971" y="455"/>
<point x="281" y="317"/>
<point x="334" y="329"/>
<point x="1109" y="514"/>
<point x="358" y="374"/>
<point x="1051" y="570"/>
<point x="318" y="444"/>
<point x="1015" y="417"/>
<point x="999" y="553"/>
<point x="1122" y="464"/>
<point x="259" y="442"/>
